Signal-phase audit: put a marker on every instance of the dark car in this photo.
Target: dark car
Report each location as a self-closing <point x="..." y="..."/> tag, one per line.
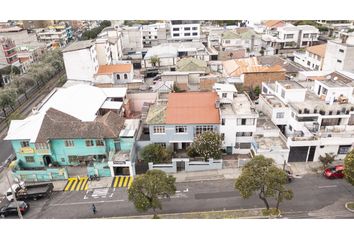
<point x="11" y="208"/>
<point x="334" y="172"/>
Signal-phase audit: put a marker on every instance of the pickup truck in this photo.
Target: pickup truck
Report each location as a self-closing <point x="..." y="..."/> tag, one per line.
<point x="29" y="191"/>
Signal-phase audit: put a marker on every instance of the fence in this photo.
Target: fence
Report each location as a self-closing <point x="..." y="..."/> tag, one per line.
<point x="49" y="174"/>
<point x="189" y="166"/>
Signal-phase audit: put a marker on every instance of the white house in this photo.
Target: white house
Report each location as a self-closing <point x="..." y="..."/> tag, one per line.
<point x="114" y="74"/>
<point x="184" y="29"/>
<point x="80" y="59"/>
<point x="312" y="58"/>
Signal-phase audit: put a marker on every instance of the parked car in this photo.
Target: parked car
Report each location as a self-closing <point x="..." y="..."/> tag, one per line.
<point x="334" y="172"/>
<point x="11" y="208"/>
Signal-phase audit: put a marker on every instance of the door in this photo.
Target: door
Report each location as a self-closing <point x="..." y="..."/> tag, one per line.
<point x="180" y="166"/>
<point x="311" y="153"/>
<point x="47" y="160"/>
<point x="298" y="154"/>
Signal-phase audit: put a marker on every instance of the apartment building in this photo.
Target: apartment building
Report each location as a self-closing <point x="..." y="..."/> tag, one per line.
<point x="184" y="30"/>
<point x="289" y="37"/>
<point x="8" y="52"/>
<point x="315" y="117"/>
<point x="154" y="34"/>
<point x="340" y="54"/>
<point x="312" y="58"/>
<point x="238" y="119"/>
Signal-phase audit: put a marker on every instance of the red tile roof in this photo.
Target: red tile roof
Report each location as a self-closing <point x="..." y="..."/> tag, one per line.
<point x="274" y="23"/>
<point x="319" y="50"/>
<point x="192" y="108"/>
<point x="115" y="68"/>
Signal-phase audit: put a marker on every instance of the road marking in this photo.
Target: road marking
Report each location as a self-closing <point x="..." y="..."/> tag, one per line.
<point x="328" y="186"/>
<point x="83" y="203"/>
<point x="185" y="190"/>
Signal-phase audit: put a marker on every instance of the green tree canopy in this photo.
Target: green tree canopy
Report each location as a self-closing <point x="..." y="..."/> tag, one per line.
<point x="147" y="189"/>
<point x="8" y="98"/>
<point x="349" y="167"/>
<point x="156" y="153"/>
<point x="206" y="145"/>
<point x="261" y="175"/>
<point x="326" y="160"/>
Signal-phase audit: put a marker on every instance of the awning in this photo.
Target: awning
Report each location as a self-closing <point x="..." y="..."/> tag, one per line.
<point x="112" y="105"/>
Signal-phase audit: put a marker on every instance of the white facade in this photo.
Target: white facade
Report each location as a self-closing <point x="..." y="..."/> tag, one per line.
<point x="339" y="55"/>
<point x="81" y="64"/>
<point x="309" y="60"/>
<point x="132" y="38"/>
<point x="184" y="30"/>
<point x="103" y="50"/>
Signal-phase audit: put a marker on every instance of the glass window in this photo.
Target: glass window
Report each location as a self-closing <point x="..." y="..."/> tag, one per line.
<point x="176" y="34"/>
<point x="118" y="76"/>
<point x="339" y="61"/>
<point x="245" y="121"/>
<point x="99" y="142"/>
<point x="69" y="143"/>
<point x="159" y="129"/>
<point x="89" y="143"/>
<point x="181" y="129"/>
<point x="175" y="29"/>
<point x="29" y="159"/>
<point x="195" y="34"/>
<point x="306" y="35"/>
<point x="205" y="128"/>
<point x="125" y="76"/>
<point x="244" y="134"/>
<point x="42" y="146"/>
<point x="194" y="28"/>
<point x="280" y="115"/>
<point x="341" y="50"/>
<point x="187" y="34"/>
<point x="187" y="28"/>
<point x="344" y="149"/>
<point x="73" y="159"/>
<point x="24" y="143"/>
<point x="222" y="136"/>
<point x="283" y="93"/>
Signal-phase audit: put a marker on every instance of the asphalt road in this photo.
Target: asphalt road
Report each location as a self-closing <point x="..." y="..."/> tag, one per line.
<point x="5" y="150"/>
<point x="311" y="194"/>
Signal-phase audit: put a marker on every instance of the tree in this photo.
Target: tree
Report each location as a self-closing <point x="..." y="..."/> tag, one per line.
<point x="147" y="189"/>
<point x="156" y="153"/>
<point x="207" y="145"/>
<point x="155" y="60"/>
<point x="257" y="91"/>
<point x="349" y="167"/>
<point x="262" y="176"/>
<point x="326" y="160"/>
<point x="8" y="99"/>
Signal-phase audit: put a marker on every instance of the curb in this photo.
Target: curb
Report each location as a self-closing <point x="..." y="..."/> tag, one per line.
<point x="346" y="206"/>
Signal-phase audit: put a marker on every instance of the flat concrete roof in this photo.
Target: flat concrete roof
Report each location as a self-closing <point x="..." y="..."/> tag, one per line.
<point x="290" y="84"/>
<point x="241" y="105"/>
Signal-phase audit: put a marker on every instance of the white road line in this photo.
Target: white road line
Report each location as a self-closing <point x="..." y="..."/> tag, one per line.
<point x="80" y="203"/>
<point x="328" y="186"/>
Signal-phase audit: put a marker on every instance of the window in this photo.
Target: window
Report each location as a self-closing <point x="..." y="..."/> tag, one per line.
<point x="306" y="35"/>
<point x="245" y="121"/>
<point x="280" y="115"/>
<point x="339" y="61"/>
<point x="313" y="35"/>
<point x="175" y="29"/>
<point x="289" y="36"/>
<point x="205" y="128"/>
<point x="223" y="121"/>
<point x="99" y="142"/>
<point x="162" y="144"/>
<point x="264" y="90"/>
<point x="24" y="143"/>
<point x="290" y="128"/>
<point x="29" y="159"/>
<point x="195" y="34"/>
<point x="187" y="29"/>
<point x="155" y="37"/>
<point x="324" y="91"/>
<point x="224" y="95"/>
<point x="181" y="129"/>
<point x="341" y="50"/>
<point x="245" y="145"/>
<point x="244" y="134"/>
<point x="73" y="159"/>
<point x="42" y="146"/>
<point x="143" y="37"/>
<point x="89" y="143"/>
<point x="222" y="136"/>
<point x="125" y="76"/>
<point x="187" y="34"/>
<point x="283" y="93"/>
<point x="344" y="149"/>
<point x="194" y="28"/>
<point x="351" y="120"/>
<point x="227" y="41"/>
<point x="118" y="76"/>
<point x="69" y="143"/>
<point x="176" y="34"/>
<point x="159" y="129"/>
<point x="308" y="63"/>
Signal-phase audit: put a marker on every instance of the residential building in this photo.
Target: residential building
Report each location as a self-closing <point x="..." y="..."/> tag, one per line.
<point x="57" y="34"/>
<point x="250" y="73"/>
<point x="238" y="119"/>
<point x="315" y="117"/>
<point x="290" y="37"/>
<point x="33" y="24"/>
<point x="176" y="124"/>
<point x="184" y="30"/>
<point x="8" y="52"/>
<point x="154" y="34"/>
<point x="313" y="57"/>
<point x="291" y="69"/>
<point x="114" y="74"/>
<point x="80" y="59"/>
<point x="114" y="38"/>
<point x="132" y="38"/>
<point x="104" y="52"/>
<point x="191" y="64"/>
<point x="340" y="54"/>
<point x="71" y="129"/>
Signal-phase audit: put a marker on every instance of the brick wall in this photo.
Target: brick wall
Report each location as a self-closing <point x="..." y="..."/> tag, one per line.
<point x="256" y="79"/>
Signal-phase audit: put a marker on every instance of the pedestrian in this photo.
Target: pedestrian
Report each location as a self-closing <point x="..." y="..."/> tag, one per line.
<point x="93" y="208"/>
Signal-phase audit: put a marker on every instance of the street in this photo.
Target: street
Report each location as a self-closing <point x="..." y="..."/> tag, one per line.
<point x="314" y="197"/>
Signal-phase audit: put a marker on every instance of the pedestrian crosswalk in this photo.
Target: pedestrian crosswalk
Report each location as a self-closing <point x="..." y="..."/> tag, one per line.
<point x="122" y="181"/>
<point x="76" y="184"/>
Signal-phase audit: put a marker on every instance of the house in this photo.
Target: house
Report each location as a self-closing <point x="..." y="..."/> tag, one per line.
<point x="59" y="34"/>
<point x="291" y="69"/>
<point x="176" y="124"/>
<point x="340" y="54"/>
<point x="154" y="34"/>
<point x="80" y="59"/>
<point x="238" y="119"/>
<point x="313" y="57"/>
<point x="8" y="52"/>
<point x="314" y="117"/>
<point x="114" y="74"/>
<point x="270" y="25"/>
<point x="70" y="129"/>
<point x="191" y="64"/>
<point x="289" y="37"/>
<point x="184" y="30"/>
<point x="250" y="73"/>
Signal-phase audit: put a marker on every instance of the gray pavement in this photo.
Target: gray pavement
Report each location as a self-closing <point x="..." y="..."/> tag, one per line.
<point x="315" y="197"/>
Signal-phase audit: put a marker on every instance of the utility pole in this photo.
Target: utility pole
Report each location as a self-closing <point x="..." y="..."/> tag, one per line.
<point x="14" y="196"/>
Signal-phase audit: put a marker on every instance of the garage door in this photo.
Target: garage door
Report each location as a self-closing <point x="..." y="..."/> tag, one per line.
<point x="298" y="154"/>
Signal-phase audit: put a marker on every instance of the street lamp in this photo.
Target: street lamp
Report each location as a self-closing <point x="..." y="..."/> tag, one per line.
<point x="13" y="195"/>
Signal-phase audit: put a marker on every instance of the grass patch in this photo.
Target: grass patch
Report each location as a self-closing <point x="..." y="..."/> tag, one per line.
<point x="351" y="206"/>
<point x="270" y="212"/>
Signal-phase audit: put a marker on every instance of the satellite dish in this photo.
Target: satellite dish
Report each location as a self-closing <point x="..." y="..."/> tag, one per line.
<point x="329" y="77"/>
<point x="335" y="78"/>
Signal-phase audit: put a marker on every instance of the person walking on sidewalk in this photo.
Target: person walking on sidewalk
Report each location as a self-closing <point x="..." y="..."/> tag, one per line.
<point x="94" y="209"/>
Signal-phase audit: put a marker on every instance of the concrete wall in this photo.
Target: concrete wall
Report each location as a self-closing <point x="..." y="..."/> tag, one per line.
<point x="137" y="100"/>
<point x="256" y="79"/>
<point x="49" y="174"/>
<point x="166" y="167"/>
<point x="203" y="166"/>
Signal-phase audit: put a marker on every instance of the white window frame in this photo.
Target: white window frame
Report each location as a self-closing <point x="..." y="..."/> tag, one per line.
<point x="69" y="143"/>
<point x="159" y="129"/>
<point x="178" y="128"/>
